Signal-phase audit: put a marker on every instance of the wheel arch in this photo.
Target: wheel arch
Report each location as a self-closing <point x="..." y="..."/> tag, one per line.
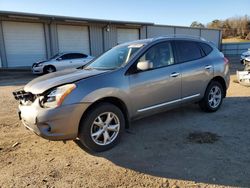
<point x="222" y="82"/>
<point x="115" y="101"/>
<point x="49" y="65"/>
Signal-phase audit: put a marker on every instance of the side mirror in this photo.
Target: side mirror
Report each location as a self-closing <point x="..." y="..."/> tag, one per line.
<point x="144" y="65"/>
<point x="59" y="59"/>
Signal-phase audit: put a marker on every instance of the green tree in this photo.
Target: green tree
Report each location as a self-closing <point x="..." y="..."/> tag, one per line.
<point x="197" y="24"/>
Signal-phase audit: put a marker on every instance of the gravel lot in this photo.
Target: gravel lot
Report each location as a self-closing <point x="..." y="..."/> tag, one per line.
<point x="154" y="152"/>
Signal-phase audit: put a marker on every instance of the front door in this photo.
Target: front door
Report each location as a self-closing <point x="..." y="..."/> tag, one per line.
<point x="159" y="87"/>
<point x="65" y="62"/>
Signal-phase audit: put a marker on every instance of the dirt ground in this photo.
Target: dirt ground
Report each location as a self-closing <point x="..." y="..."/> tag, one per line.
<point x="154" y="152"/>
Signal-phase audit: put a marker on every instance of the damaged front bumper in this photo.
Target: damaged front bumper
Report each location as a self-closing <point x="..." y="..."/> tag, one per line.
<point x="243" y="78"/>
<point x="59" y="123"/>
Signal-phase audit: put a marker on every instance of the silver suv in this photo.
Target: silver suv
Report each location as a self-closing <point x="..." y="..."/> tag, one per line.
<point x="95" y="103"/>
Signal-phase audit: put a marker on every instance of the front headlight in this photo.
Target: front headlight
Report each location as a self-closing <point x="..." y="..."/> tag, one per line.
<point x="55" y="97"/>
<point x="39" y="65"/>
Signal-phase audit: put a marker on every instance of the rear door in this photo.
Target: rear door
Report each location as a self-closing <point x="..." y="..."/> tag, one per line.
<point x="79" y="59"/>
<point x="158" y="88"/>
<point x="196" y="69"/>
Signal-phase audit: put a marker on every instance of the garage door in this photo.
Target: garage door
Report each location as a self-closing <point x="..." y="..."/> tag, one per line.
<point x="24" y="43"/>
<point x="73" y="38"/>
<point x="126" y="35"/>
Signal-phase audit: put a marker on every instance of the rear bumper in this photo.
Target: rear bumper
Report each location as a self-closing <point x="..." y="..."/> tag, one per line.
<point x="53" y="124"/>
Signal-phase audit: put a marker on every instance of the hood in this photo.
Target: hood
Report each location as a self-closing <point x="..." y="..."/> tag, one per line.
<point x="43" y="83"/>
<point x="41" y="62"/>
<point x="38" y="62"/>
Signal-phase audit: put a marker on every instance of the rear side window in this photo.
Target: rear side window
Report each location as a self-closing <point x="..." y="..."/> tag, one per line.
<point x="206" y="48"/>
<point x="73" y="56"/>
<point x="78" y="55"/>
<point x="188" y="51"/>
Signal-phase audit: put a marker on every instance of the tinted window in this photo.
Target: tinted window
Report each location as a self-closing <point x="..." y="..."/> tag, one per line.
<point x="66" y="56"/>
<point x="73" y="56"/>
<point x="206" y="48"/>
<point x="188" y="51"/>
<point x="77" y="55"/>
<point x="160" y="55"/>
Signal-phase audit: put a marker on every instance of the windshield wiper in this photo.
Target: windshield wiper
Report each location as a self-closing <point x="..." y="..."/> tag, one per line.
<point x="88" y="68"/>
<point x="106" y="68"/>
<point x="100" y="68"/>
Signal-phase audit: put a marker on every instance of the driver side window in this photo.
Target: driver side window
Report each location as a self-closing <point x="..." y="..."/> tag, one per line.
<point x="160" y="55"/>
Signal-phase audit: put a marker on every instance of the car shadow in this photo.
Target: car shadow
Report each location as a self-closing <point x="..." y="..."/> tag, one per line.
<point x="159" y="145"/>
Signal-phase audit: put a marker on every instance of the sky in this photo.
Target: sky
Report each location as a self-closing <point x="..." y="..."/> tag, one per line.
<point x="167" y="12"/>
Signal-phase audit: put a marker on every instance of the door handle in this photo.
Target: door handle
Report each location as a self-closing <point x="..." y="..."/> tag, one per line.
<point x="208" y="67"/>
<point x="175" y="74"/>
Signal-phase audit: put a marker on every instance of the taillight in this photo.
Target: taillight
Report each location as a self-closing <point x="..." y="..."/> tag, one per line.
<point x="226" y="61"/>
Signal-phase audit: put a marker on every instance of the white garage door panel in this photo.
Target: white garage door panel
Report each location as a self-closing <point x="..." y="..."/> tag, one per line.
<point x="73" y="38"/>
<point x="24" y="43"/>
<point x="126" y="35"/>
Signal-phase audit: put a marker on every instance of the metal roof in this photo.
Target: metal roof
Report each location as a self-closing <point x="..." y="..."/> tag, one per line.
<point x="34" y="16"/>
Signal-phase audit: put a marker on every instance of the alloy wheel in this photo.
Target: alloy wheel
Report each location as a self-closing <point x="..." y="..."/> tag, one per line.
<point x="50" y="70"/>
<point x="105" y="128"/>
<point x="214" y="97"/>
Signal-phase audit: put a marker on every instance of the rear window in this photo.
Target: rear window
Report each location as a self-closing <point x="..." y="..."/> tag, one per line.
<point x="206" y="48"/>
<point x="188" y="51"/>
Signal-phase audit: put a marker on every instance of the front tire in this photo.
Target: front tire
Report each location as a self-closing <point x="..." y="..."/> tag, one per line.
<point x="101" y="128"/>
<point x="49" y="69"/>
<point x="213" y="97"/>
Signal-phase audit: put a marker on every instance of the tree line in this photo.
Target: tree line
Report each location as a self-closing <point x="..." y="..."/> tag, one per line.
<point x="232" y="27"/>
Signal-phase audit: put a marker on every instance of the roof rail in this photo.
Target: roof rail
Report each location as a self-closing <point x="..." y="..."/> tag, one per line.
<point x="183" y="36"/>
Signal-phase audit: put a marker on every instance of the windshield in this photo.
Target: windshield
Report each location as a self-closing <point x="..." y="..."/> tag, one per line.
<point x="115" y="57"/>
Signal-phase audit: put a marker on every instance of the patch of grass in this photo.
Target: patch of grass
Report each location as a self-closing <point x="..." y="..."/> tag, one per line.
<point x="235" y="39"/>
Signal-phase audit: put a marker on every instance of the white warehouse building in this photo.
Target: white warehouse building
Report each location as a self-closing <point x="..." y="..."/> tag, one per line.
<point x="26" y="38"/>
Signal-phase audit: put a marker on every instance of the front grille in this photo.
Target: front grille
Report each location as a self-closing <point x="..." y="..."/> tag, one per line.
<point x="21" y="95"/>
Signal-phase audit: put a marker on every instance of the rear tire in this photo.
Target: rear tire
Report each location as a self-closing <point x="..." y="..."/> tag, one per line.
<point x="213" y="97"/>
<point x="101" y="128"/>
<point x="49" y="69"/>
